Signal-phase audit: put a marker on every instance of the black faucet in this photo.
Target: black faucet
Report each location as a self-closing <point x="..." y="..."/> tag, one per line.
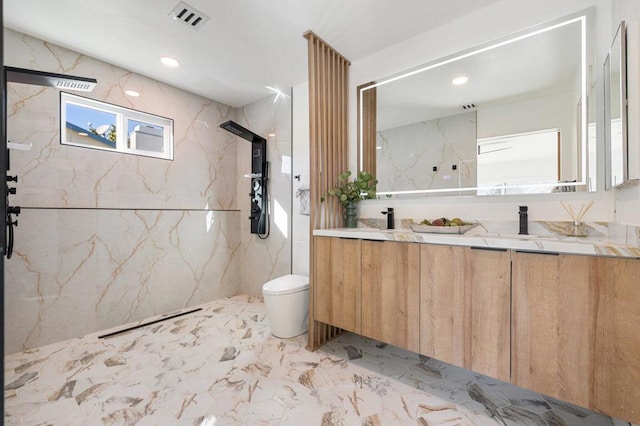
<point x="390" y="218"/>
<point x="524" y="221"/>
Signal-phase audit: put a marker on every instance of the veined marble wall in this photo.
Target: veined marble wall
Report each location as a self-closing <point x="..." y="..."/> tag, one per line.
<point x="407" y="154"/>
<point x="83" y="270"/>
<point x="201" y="176"/>
<point x="107" y="238"/>
<point x="265" y="259"/>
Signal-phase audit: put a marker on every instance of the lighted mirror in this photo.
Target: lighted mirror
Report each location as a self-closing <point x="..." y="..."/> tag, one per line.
<point x="94" y="124"/>
<point x="616" y="111"/>
<point x="508" y="117"/>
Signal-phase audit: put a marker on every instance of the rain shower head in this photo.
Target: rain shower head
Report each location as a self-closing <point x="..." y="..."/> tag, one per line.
<point x="50" y="79"/>
<point x="238" y="130"/>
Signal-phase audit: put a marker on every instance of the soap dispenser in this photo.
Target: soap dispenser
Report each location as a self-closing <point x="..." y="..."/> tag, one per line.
<point x="524" y="220"/>
<point x="390" y="217"/>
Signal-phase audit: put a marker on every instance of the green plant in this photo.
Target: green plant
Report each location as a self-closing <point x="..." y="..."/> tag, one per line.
<point x="363" y="187"/>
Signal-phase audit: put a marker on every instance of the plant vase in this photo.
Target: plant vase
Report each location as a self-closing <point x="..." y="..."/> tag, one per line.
<point x="350" y="215"/>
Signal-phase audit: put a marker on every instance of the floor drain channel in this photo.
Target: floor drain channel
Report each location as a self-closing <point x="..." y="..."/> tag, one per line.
<point x="124" y="330"/>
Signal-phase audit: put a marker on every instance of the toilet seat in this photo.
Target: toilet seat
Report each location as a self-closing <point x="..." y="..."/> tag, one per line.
<point x="286" y="284"/>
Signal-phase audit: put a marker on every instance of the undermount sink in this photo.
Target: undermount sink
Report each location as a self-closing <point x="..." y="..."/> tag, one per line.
<point x="518" y="236"/>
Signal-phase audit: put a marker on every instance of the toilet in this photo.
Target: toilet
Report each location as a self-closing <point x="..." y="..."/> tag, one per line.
<point x="287" y="302"/>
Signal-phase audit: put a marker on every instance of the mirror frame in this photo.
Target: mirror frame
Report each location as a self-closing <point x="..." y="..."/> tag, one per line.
<point x="366" y="126"/>
<point x="619" y="47"/>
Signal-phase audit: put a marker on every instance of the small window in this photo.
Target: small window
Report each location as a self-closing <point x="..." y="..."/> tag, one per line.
<point x="94" y="124"/>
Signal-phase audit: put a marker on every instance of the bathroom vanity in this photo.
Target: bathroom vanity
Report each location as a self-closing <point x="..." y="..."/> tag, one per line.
<point x="556" y="316"/>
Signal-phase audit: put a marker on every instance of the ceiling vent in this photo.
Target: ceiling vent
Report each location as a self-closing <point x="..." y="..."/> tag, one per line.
<point x="468" y="107"/>
<point x="189" y="15"/>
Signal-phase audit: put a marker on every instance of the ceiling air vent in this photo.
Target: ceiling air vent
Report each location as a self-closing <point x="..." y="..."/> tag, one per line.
<point x="189" y="15"/>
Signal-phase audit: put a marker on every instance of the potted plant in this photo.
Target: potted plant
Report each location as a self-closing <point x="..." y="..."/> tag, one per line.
<point x="349" y="193"/>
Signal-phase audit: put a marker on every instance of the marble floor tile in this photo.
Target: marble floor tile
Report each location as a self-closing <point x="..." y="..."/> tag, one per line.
<point x="221" y="366"/>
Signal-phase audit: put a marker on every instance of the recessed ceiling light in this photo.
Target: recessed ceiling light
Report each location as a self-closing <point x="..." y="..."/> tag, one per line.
<point x="132" y="93"/>
<point x="170" y="62"/>
<point x="83" y="134"/>
<point x="459" y="81"/>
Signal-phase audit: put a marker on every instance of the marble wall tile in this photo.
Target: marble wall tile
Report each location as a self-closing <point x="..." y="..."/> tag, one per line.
<point x="107" y="238"/>
<point x="407" y="154"/>
<point x="202" y="174"/>
<point x="78" y="271"/>
<point x="263" y="260"/>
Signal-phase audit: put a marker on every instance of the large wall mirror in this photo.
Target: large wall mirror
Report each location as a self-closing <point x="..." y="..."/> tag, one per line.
<point x="615" y="86"/>
<point x="509" y="117"/>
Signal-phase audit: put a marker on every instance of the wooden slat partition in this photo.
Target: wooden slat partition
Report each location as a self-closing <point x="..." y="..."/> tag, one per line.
<point x="328" y="140"/>
<point x="367" y="101"/>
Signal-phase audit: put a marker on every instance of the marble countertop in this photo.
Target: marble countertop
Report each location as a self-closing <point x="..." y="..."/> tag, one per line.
<point x="498" y="240"/>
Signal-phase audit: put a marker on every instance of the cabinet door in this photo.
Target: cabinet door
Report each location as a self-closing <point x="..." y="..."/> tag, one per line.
<point x="554" y="297"/>
<point x="390" y="292"/>
<point x="617" y="378"/>
<point x="487" y="275"/>
<point x="464" y="308"/>
<point x="337" y="282"/>
<point x="442" y="304"/>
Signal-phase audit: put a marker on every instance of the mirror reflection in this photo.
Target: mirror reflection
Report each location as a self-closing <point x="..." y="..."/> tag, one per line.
<point x="505" y="118"/>
<point x="614" y="108"/>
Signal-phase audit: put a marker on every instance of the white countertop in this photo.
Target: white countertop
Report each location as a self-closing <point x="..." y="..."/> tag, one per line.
<point x="537" y="243"/>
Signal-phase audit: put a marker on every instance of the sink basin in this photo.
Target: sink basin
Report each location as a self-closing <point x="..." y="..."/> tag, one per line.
<point x="518" y="236"/>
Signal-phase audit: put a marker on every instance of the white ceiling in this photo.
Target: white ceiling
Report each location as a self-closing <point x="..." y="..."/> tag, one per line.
<point x="247" y="44"/>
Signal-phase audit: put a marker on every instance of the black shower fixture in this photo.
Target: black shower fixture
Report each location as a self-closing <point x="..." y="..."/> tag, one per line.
<point x="243" y="132"/>
<point x="50" y="79"/>
<point x="38" y="78"/>
<point x="259" y="175"/>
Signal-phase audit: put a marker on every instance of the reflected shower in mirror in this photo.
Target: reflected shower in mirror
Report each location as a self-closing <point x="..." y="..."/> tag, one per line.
<point x="504" y="118"/>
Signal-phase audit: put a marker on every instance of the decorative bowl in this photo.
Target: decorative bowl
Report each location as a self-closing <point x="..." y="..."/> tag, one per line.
<point x="416" y="227"/>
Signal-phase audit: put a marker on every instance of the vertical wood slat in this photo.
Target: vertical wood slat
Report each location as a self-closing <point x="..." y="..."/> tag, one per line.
<point x="328" y="100"/>
<point x="367" y="100"/>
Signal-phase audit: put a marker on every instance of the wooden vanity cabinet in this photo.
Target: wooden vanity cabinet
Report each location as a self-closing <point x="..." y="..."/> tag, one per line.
<point x="465" y="307"/>
<point x="390" y="292"/>
<point x="337" y="290"/>
<point x="576" y="330"/>
<point x="617" y="340"/>
<point x="567" y="326"/>
<point x="553" y="328"/>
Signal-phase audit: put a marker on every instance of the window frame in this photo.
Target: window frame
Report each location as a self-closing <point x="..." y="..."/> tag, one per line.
<point x="123" y="116"/>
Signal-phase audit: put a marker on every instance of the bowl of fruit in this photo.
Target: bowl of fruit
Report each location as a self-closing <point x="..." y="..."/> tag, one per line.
<point x="442" y="225"/>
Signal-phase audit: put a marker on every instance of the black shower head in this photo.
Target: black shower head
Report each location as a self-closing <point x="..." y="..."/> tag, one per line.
<point x="50" y="79"/>
<point x="238" y="130"/>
